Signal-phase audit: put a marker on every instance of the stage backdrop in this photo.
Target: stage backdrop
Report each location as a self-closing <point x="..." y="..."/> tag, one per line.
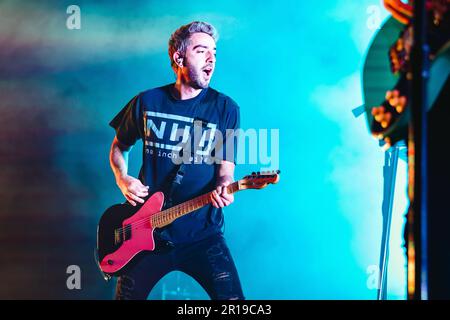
<point x="67" y="67"/>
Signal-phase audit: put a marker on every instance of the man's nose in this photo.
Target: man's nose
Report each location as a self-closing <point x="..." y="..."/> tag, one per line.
<point x="211" y="57"/>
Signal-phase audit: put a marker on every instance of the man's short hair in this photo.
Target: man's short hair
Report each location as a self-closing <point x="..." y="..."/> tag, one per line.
<point x="179" y="40"/>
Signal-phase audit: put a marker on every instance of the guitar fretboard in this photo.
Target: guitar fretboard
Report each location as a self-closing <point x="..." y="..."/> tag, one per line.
<point x="167" y="216"/>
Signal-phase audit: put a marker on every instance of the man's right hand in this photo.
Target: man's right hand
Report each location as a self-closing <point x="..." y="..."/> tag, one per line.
<point x="132" y="189"/>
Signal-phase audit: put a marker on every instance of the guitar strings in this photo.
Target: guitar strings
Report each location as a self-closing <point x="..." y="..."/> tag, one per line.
<point x="159" y="215"/>
<point x="144" y="221"/>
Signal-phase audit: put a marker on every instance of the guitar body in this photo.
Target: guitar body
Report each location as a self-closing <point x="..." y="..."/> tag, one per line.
<point x="124" y="231"/>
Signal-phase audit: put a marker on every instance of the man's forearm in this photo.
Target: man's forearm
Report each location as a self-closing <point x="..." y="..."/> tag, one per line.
<point x="118" y="159"/>
<point x="224" y="178"/>
<point x="225" y="173"/>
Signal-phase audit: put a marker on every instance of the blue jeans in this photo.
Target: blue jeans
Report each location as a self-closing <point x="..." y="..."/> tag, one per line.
<point x="208" y="261"/>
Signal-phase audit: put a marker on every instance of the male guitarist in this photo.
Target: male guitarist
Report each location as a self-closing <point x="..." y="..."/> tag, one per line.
<point x="194" y="243"/>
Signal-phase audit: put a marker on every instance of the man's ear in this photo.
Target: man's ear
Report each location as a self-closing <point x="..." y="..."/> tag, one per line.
<point x="178" y="59"/>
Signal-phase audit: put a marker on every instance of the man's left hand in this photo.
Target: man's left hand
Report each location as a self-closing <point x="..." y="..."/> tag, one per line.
<point x="220" y="197"/>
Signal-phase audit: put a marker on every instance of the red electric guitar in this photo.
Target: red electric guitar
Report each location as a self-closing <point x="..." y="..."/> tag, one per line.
<point x="124" y="230"/>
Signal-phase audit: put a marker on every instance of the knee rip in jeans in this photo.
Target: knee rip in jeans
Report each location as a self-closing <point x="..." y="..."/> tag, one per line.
<point x="124" y="288"/>
<point x="222" y="276"/>
<point x="127" y="282"/>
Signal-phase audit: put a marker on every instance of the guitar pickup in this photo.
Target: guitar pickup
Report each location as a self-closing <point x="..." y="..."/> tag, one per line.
<point x="127" y="232"/>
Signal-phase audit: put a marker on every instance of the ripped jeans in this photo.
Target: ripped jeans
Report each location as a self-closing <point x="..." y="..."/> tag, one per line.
<point x="208" y="261"/>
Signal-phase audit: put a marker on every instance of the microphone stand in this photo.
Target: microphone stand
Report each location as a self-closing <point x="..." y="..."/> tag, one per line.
<point x="391" y="157"/>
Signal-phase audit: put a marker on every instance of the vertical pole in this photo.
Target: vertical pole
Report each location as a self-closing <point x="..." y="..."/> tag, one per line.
<point x="417" y="239"/>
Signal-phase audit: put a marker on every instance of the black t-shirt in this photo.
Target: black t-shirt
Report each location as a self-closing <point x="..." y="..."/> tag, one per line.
<point x="164" y="123"/>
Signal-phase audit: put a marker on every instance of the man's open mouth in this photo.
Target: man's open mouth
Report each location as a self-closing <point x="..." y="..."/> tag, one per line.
<point x="207" y="71"/>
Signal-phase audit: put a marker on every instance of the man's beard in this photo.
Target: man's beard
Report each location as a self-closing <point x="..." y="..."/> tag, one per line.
<point x="196" y="80"/>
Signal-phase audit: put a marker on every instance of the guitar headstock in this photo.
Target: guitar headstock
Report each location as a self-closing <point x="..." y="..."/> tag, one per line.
<point x="259" y="180"/>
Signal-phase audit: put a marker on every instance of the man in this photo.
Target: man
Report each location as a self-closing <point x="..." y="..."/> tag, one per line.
<point x="194" y="243"/>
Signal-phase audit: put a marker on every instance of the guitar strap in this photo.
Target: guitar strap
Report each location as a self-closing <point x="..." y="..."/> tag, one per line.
<point x="176" y="181"/>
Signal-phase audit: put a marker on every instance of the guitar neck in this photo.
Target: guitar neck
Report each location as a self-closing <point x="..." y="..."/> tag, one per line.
<point x="165" y="217"/>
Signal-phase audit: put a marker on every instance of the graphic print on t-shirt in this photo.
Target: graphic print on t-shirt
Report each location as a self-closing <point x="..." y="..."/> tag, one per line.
<point x="167" y="133"/>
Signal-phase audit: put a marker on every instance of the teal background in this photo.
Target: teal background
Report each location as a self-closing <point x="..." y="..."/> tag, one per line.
<point x="291" y="66"/>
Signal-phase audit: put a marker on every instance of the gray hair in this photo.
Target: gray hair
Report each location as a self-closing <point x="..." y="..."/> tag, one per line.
<point x="179" y="40"/>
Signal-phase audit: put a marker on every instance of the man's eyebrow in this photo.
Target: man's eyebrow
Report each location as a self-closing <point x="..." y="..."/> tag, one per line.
<point x="201" y="46"/>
